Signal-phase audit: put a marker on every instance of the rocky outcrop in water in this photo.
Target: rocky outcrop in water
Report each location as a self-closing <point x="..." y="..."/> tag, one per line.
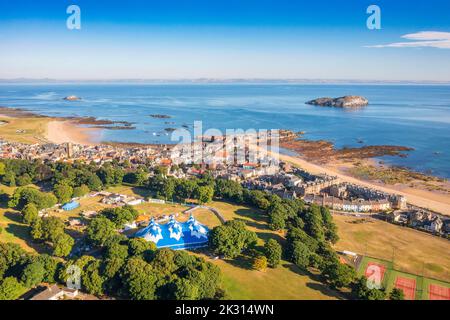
<point x="160" y="116"/>
<point x="341" y="102"/>
<point x="72" y="98"/>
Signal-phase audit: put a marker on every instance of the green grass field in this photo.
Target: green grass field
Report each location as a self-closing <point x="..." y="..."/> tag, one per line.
<point x="413" y="251"/>
<point x="422" y="284"/>
<point x="239" y="279"/>
<point x="24" y="130"/>
<point x="12" y="228"/>
<point x="285" y="282"/>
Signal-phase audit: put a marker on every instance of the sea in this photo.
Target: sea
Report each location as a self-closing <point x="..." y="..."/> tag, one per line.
<point x="416" y="116"/>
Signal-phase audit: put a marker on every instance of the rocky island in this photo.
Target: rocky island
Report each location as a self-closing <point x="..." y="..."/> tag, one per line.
<point x="72" y="98"/>
<point x="160" y="116"/>
<point x="341" y="102"/>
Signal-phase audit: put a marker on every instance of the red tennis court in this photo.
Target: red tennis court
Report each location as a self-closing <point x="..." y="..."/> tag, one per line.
<point x="408" y="286"/>
<point x="437" y="292"/>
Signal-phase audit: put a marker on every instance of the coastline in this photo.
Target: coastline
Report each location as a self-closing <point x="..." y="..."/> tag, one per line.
<point x="62" y="130"/>
<point x="421" y="198"/>
<point x="27" y="127"/>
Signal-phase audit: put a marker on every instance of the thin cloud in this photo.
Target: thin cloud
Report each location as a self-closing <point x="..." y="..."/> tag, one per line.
<point x="423" y="39"/>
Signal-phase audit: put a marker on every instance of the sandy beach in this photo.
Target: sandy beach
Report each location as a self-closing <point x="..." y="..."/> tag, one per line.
<point x="425" y="199"/>
<point x="22" y="126"/>
<point x="60" y="131"/>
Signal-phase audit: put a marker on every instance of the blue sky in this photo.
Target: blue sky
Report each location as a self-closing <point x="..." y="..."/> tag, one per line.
<point x="172" y="39"/>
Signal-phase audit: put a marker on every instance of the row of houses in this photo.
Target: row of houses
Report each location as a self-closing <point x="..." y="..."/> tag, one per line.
<point x="353" y="191"/>
<point x="423" y="220"/>
<point x="339" y="204"/>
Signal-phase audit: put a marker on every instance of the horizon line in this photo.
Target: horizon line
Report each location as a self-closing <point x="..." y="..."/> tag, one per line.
<point x="223" y="80"/>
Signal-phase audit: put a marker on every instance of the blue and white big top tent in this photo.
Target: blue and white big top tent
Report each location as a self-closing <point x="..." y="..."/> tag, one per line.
<point x="175" y="235"/>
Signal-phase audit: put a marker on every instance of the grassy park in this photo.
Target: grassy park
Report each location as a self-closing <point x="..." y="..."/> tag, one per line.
<point x="11" y="227"/>
<point x="410" y="250"/>
<point x="402" y="250"/>
<point x="242" y="282"/>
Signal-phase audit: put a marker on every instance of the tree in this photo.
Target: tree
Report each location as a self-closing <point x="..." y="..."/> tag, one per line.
<point x="277" y="217"/>
<point x="24" y="180"/>
<point x="11" y="254"/>
<point x="52" y="227"/>
<point x="36" y="229"/>
<point x="29" y="213"/>
<point x="62" y="245"/>
<point x="51" y="266"/>
<point x="228" y="189"/>
<point x="63" y="192"/>
<point x="257" y="198"/>
<point x="110" y="175"/>
<point x="10" y="289"/>
<point x="163" y="261"/>
<point x="297" y="234"/>
<point x="330" y="227"/>
<point x="331" y="233"/>
<point x="138" y="246"/>
<point x="185" y="188"/>
<point x="80" y="191"/>
<point x="140" y="280"/>
<point x="91" y="279"/>
<point x="168" y="188"/>
<point x="273" y="252"/>
<point x="120" y="215"/>
<point x="93" y="182"/>
<point x="111" y="267"/>
<point x="231" y="238"/>
<point x="208" y="278"/>
<point x="314" y="223"/>
<point x="47" y="229"/>
<point x="185" y="290"/>
<point x="100" y="229"/>
<point x="136" y="178"/>
<point x="362" y="291"/>
<point x="33" y="274"/>
<point x="397" y="294"/>
<point x="9" y="179"/>
<point x="260" y="263"/>
<point x="116" y="250"/>
<point x="204" y="194"/>
<point x="300" y="254"/>
<point x="25" y="195"/>
<point x="338" y="274"/>
<point x="164" y="187"/>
